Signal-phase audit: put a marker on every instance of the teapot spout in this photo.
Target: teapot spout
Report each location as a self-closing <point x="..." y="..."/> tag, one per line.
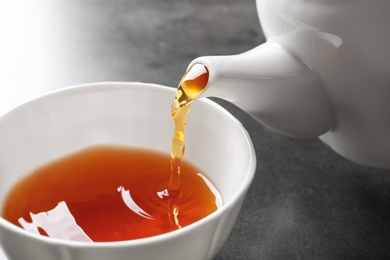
<point x="272" y="85"/>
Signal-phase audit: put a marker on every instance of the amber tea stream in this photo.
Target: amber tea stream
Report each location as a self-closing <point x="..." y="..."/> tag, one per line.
<point x="190" y="87"/>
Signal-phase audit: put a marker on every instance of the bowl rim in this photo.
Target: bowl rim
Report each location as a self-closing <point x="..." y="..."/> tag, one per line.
<point x="251" y="169"/>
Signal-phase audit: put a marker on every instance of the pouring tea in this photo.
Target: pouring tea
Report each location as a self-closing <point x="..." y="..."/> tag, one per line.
<point x="323" y="71"/>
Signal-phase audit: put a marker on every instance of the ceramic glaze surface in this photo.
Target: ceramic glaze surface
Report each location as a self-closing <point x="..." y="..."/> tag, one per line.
<point x="322" y="72"/>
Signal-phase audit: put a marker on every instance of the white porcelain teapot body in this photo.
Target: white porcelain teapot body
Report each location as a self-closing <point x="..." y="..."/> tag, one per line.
<point x="324" y="71"/>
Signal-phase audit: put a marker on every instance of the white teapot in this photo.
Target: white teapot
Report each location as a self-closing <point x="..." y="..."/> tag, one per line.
<point x="323" y="71"/>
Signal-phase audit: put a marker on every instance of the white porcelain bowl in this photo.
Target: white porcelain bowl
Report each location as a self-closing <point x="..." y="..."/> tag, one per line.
<point x="126" y="114"/>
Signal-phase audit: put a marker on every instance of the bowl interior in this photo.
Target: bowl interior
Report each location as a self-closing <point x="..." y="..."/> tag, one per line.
<point x="125" y="114"/>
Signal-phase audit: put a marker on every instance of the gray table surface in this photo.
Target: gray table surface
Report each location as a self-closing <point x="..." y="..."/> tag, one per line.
<point x="306" y="202"/>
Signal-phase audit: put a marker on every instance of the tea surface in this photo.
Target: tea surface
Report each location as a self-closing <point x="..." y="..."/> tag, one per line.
<point x="112" y="193"/>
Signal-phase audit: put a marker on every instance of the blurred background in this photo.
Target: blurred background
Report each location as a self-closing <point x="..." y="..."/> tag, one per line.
<point x="306" y="202"/>
<point x="47" y="45"/>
